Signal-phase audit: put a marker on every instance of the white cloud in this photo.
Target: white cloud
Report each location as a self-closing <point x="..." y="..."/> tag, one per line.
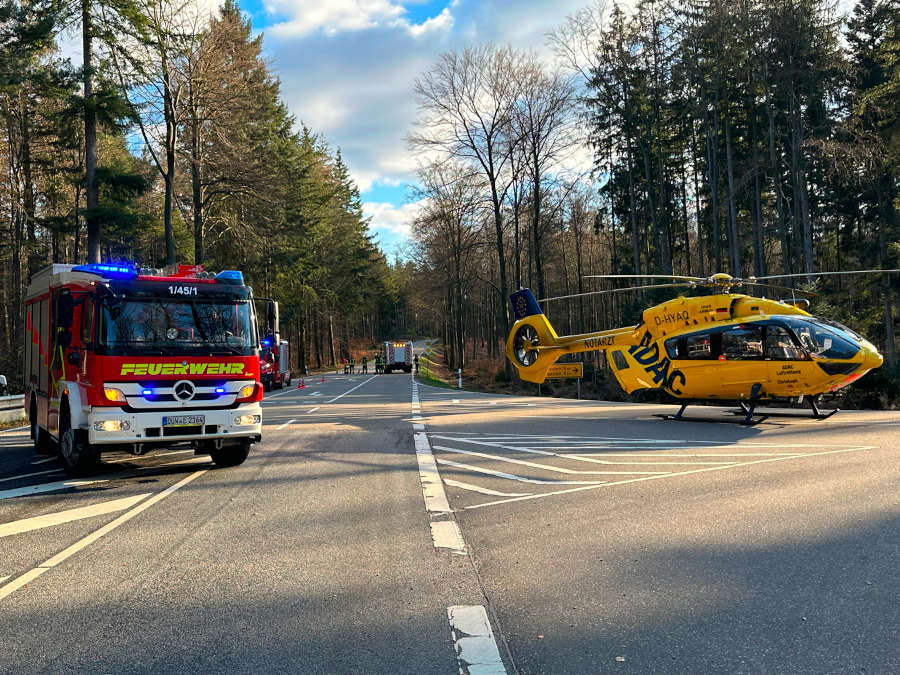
<point x="334" y="16"/>
<point x="397" y="220"/>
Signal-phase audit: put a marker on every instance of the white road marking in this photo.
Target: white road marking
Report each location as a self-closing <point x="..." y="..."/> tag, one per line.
<point x="8" y="431"/>
<point x="46" y="487"/>
<point x="418" y="427"/>
<point x="521" y="479"/>
<point x="349" y="390"/>
<point x="280" y="393"/>
<point x="312" y="410"/>
<point x="483" y="490"/>
<point x="66" y="553"/>
<point x="289" y="422"/>
<point x="670" y="475"/>
<point x="29" y="475"/>
<point x="316" y="393"/>
<point x="432" y="488"/>
<point x="43" y="461"/>
<point x="2" y="579"/>
<point x="535" y="465"/>
<point x="446" y="534"/>
<point x="67" y="516"/>
<point x="473" y="640"/>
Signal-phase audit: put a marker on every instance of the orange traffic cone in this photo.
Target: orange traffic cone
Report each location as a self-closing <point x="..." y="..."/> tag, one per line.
<point x="301" y="384"/>
<point x="323" y="380"/>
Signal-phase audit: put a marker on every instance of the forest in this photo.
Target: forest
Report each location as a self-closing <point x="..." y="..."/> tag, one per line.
<point x="758" y="137"/>
<point x="755" y="138"/>
<point x="172" y="144"/>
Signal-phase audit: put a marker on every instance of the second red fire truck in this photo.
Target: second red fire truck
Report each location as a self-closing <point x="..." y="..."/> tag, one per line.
<point x="118" y="358"/>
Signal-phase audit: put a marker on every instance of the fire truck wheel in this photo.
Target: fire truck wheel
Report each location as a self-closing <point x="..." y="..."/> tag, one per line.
<point x="43" y="444"/>
<point x="230" y="455"/>
<point x="78" y="457"/>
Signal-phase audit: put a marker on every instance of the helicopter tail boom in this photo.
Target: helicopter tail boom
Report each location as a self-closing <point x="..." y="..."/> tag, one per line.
<point x="533" y="345"/>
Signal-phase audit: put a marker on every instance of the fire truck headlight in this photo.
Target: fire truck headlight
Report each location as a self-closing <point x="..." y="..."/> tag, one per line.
<point x="112" y="425"/>
<point x="115" y="395"/>
<point x="243" y="420"/>
<point x="247" y="391"/>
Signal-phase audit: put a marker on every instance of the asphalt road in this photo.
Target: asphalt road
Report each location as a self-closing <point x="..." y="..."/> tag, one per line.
<point x="596" y="538"/>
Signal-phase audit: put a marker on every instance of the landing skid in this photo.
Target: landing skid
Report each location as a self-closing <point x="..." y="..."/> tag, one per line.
<point x="747" y="412"/>
<point x="817" y="414"/>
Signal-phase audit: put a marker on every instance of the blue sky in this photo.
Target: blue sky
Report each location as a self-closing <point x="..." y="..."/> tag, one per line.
<point x="347" y="69"/>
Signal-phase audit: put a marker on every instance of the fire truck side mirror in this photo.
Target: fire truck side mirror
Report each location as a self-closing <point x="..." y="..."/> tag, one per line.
<point x="65" y="309"/>
<point x="272" y="317"/>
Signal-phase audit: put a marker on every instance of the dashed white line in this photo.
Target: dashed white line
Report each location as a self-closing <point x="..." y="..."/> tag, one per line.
<point x="473" y="639"/>
<point x="288" y="423"/>
<point x="67" y="516"/>
<point x="312" y="410"/>
<point x="446" y="534"/>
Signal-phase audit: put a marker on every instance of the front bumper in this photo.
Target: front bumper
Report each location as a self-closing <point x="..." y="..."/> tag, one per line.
<point x="147" y="427"/>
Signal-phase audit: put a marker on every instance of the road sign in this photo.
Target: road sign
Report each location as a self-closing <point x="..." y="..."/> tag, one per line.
<point x="566" y="370"/>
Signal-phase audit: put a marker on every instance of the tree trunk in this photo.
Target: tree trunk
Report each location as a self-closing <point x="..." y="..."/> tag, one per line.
<point x="734" y="242"/>
<point x="90" y="137"/>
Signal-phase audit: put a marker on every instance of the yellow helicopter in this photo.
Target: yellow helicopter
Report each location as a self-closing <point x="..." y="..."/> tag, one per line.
<point x="722" y="347"/>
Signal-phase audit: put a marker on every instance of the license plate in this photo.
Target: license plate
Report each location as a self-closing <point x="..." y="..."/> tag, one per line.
<point x="184" y="420"/>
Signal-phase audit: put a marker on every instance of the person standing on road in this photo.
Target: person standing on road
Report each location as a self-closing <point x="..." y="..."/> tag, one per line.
<point x="365" y="365"/>
<point x="416" y="362"/>
<point x="352" y="365"/>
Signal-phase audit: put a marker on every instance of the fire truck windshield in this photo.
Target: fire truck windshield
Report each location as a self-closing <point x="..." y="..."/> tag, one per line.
<point x="177" y="327"/>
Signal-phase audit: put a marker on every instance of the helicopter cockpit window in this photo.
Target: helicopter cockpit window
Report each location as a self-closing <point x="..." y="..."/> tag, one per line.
<point x="781" y="346"/>
<point x="743" y="342"/>
<point x="699" y="346"/>
<point x="822" y="339"/>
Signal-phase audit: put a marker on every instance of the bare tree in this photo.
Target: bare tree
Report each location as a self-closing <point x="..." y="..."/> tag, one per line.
<point x="466" y="102"/>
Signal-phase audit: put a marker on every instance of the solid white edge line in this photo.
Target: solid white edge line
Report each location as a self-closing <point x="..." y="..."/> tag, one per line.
<point x="43" y="461"/>
<point x="67" y="516"/>
<point x="473" y="640"/>
<point x="32" y="574"/>
<point x="349" y="390"/>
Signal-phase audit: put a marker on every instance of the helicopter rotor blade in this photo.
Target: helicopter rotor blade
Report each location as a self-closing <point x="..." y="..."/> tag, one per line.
<point x="618" y="290"/>
<point x="780" y="288"/>
<point x="819" y="274"/>
<point x="641" y="276"/>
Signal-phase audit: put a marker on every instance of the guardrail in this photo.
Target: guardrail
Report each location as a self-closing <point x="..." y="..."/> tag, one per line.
<point x="12" y="408"/>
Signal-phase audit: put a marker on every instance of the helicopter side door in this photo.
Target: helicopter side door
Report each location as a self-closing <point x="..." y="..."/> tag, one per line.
<point x="790" y="367"/>
<point x="741" y="361"/>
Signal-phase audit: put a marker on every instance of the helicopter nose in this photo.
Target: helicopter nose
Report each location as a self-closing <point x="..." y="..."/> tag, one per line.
<point x="872" y="359"/>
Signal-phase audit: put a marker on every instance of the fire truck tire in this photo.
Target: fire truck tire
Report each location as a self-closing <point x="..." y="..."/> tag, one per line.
<point x="43" y="444"/>
<point x="77" y="456"/>
<point x="230" y="455"/>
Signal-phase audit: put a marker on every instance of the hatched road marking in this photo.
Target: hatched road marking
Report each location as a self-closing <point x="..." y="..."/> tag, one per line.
<point x="67" y="516"/>
<point x="657" y="458"/>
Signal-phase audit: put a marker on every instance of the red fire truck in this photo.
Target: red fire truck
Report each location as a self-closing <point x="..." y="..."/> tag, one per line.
<point x="274" y="363"/>
<point x="398" y="355"/>
<point x="118" y="358"/>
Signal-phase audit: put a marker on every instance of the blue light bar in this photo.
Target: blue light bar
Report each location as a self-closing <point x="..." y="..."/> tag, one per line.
<point x="267" y="342"/>
<point x="147" y="392"/>
<point x="108" y="271"/>
<point x="233" y="277"/>
<point x="220" y="390"/>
